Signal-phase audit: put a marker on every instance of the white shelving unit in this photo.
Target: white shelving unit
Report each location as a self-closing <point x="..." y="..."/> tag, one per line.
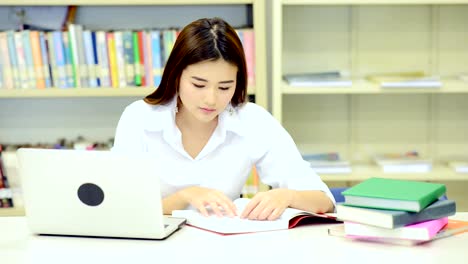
<point x="363" y="37"/>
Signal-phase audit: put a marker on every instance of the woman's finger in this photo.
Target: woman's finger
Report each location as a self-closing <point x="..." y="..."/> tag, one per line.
<point x="215" y="207"/>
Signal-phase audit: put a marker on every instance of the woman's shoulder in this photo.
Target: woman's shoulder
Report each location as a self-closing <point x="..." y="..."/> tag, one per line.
<point x="141" y="107"/>
<point x="256" y="115"/>
<point x="252" y="110"/>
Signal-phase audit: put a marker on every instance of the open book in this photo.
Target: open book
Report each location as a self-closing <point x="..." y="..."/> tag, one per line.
<point x="235" y="225"/>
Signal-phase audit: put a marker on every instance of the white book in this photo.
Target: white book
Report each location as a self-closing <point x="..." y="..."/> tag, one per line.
<point x="419" y="83"/>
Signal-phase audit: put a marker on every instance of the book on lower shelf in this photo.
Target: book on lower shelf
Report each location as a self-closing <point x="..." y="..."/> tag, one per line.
<point x="328" y="163"/>
<point x="235" y="225"/>
<point x="407" y="162"/>
<point x="318" y="79"/>
<point x="393" y="194"/>
<point x="405" y="80"/>
<point x="459" y="166"/>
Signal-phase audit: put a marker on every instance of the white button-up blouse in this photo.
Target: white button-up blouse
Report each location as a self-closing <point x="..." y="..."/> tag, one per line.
<point x="248" y="137"/>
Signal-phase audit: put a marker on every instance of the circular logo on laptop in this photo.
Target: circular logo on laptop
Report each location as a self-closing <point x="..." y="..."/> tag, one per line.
<point x="90" y="194"/>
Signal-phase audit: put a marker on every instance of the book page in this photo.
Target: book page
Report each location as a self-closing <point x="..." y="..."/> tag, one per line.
<point x="235" y="225"/>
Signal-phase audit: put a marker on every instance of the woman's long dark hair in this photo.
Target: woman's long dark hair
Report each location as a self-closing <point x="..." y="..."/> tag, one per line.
<point x="201" y="40"/>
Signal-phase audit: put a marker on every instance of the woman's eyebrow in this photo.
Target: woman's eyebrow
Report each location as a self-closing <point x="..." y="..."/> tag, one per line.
<point x="203" y="80"/>
<point x="199" y="79"/>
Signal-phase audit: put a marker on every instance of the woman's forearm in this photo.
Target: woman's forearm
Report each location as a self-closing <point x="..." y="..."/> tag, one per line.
<point x="312" y="201"/>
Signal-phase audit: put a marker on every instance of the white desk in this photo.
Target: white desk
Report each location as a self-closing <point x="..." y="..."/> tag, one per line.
<point x="306" y="244"/>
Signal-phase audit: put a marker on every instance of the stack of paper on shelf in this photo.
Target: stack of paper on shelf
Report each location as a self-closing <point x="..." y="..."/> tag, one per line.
<point x="405" y="80"/>
<point x="463" y="77"/>
<point x="459" y="166"/>
<point x="394" y="211"/>
<point x="327" y="163"/>
<point x="318" y="79"/>
<point x="409" y="162"/>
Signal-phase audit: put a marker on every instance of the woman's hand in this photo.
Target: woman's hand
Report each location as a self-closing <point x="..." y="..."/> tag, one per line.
<point x="268" y="205"/>
<point x="200" y="197"/>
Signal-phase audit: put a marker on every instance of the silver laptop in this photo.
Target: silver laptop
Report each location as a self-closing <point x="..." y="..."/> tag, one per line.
<point x="93" y="193"/>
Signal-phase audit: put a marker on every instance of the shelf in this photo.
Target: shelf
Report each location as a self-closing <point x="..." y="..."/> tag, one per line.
<point x="364" y="87"/>
<point x="15" y="211"/>
<point x="362" y="172"/>
<point x="371" y="2"/>
<point x="80" y="92"/>
<point x="122" y="2"/>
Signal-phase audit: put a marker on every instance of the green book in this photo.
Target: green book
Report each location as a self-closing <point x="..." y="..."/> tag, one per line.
<point x="382" y="193"/>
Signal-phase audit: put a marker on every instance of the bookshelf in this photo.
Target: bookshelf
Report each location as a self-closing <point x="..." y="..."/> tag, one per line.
<point x="363" y="37"/>
<point x="54" y="113"/>
<point x="259" y="89"/>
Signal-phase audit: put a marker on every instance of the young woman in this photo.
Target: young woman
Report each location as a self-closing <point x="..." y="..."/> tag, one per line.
<point x="207" y="138"/>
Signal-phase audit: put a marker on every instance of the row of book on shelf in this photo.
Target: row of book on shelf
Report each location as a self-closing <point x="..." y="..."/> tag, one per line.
<point x="79" y="57"/>
<point x="396" y="212"/>
<point x="414" y="79"/>
<point x="407" y="162"/>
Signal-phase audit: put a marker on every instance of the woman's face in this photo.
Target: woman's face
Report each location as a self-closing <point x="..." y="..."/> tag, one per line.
<point x="206" y="88"/>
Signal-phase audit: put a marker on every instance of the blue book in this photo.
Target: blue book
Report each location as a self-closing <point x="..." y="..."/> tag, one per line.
<point x="13" y="58"/>
<point x="394" y="218"/>
<point x="60" y="61"/>
<point x="31" y="74"/>
<point x="157" y="58"/>
<point x="95" y="55"/>
<point x="89" y="58"/>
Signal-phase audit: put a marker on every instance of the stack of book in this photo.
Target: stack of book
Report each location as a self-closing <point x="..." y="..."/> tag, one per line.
<point x="327" y="163"/>
<point x="318" y="79"/>
<point x="394" y="211"/>
<point x="409" y="162"/>
<point x="459" y="166"/>
<point x="405" y="80"/>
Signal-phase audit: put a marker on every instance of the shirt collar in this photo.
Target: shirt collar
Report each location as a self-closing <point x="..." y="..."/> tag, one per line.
<point x="162" y="117"/>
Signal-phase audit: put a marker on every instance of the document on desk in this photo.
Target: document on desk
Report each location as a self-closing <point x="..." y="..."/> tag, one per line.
<point x="235" y="225"/>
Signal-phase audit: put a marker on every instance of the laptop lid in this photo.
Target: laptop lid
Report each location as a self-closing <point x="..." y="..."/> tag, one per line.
<point x="92" y="193"/>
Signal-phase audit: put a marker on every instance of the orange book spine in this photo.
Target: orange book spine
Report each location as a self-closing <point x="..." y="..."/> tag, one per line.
<point x="141" y="39"/>
<point x="37" y="59"/>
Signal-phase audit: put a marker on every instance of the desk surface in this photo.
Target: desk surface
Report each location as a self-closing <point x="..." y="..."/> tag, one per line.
<point x="306" y="244"/>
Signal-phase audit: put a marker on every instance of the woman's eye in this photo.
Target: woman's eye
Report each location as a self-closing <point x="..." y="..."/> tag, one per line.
<point x="199" y="85"/>
<point x="224" y="88"/>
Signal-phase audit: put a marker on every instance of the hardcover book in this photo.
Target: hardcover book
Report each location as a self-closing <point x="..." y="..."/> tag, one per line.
<point x="394" y="218"/>
<point x="383" y="193"/>
<point x="327" y="163"/>
<point x="235" y="225"/>
<point x="453" y="227"/>
<point x="422" y="231"/>
<point x="403" y="162"/>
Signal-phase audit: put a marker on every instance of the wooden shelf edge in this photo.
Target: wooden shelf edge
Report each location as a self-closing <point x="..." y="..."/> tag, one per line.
<point x="372" y="2"/>
<point x="83" y="92"/>
<point x="15" y="211"/>
<point x="363" y="172"/>
<point x="123" y="3"/>
<point x="364" y="87"/>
